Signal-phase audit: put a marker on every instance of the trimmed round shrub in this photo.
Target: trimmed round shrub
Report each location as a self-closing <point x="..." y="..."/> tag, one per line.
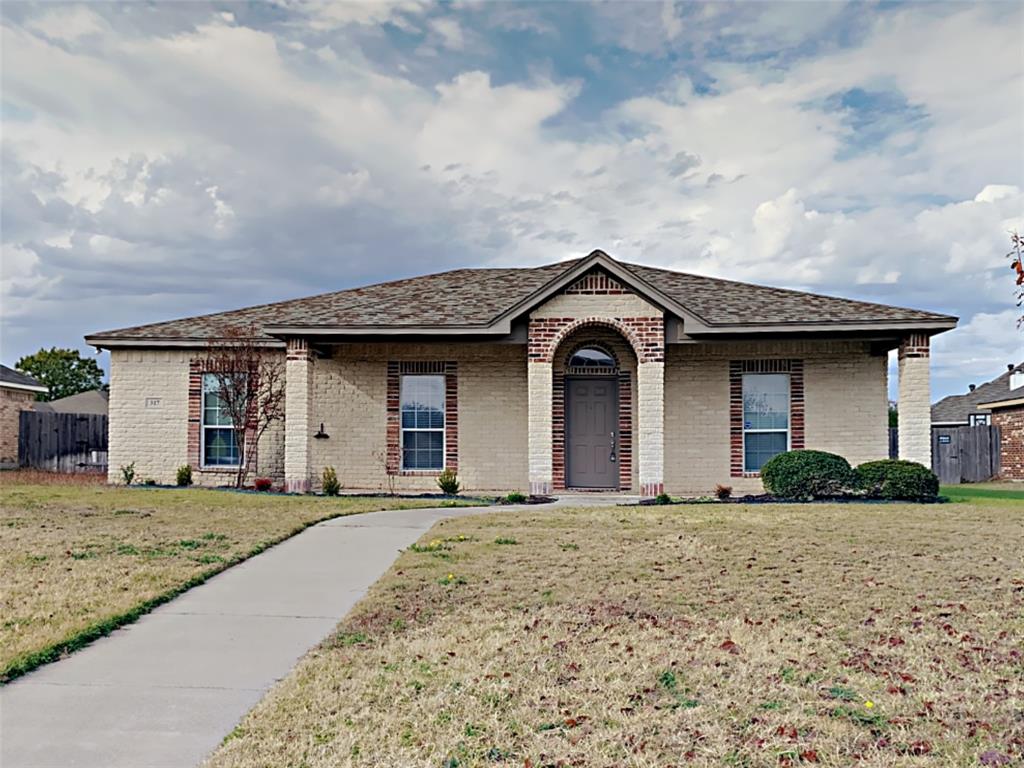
<point x="806" y="475"/>
<point x="897" y="479"/>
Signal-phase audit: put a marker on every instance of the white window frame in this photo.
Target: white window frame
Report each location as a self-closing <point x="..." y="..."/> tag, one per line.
<point x="403" y="429"/>
<point x="979" y="419"/>
<point x="789" y="416"/>
<point x="203" y="427"/>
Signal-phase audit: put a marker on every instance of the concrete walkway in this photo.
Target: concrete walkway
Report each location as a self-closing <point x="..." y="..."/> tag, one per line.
<point x="165" y="690"/>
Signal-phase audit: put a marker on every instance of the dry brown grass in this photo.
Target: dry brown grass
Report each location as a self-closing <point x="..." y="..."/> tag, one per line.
<point x="78" y="559"/>
<point x="877" y="635"/>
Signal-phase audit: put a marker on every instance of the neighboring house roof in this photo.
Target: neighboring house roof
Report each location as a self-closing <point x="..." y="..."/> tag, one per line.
<point x="487" y="300"/>
<point x="955" y="409"/>
<point x="93" y="401"/>
<point x="12" y="379"/>
<point x="1015" y="402"/>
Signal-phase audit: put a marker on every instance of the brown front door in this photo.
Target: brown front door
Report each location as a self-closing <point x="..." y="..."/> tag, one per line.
<point x="591" y="429"/>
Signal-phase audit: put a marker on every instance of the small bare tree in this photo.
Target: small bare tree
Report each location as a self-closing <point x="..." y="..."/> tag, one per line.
<point x="251" y="386"/>
<point x="1016" y="256"/>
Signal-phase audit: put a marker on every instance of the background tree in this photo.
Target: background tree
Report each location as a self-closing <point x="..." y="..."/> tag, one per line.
<point x="64" y="371"/>
<point x="1017" y="265"/>
<point x="250" y="384"/>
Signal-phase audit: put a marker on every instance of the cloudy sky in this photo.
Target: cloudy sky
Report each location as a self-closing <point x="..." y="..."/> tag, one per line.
<point x="162" y="160"/>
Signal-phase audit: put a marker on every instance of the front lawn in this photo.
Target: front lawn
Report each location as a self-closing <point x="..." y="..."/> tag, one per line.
<point x="998" y="493"/>
<point x="79" y="559"/>
<point x="706" y="635"/>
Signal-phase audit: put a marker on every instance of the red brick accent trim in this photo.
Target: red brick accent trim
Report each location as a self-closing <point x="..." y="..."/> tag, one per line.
<point x="450" y="371"/>
<point x="1011" y="441"/>
<point x="795" y="369"/>
<point x="196" y="368"/>
<point x="298" y="349"/>
<point x="645" y="334"/>
<point x="625" y="446"/>
<point x="915" y="345"/>
<point x="558" y="431"/>
<point x="598" y="284"/>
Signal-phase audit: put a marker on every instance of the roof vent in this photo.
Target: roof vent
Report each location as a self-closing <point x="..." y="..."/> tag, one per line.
<point x="1010" y="366"/>
<point x="972" y="387"/>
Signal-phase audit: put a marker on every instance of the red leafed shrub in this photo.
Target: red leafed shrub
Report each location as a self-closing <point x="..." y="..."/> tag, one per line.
<point x="263" y="483"/>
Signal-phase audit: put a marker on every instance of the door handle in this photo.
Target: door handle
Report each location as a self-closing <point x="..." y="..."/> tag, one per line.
<point x="611" y="458"/>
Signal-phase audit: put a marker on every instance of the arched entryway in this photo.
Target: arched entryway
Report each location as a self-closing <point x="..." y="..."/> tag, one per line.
<point x="592" y="411"/>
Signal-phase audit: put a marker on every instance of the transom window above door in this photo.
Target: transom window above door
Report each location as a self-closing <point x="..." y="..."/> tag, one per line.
<point x="592" y="358"/>
<point x="422" y="413"/>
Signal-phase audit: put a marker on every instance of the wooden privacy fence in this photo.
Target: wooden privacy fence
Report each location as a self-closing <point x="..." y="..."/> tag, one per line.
<point x="959" y="454"/>
<point x="62" y="442"/>
<point x="965" y="454"/>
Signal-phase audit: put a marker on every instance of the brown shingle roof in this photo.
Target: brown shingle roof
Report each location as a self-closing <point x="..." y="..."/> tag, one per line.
<point x="956" y="408"/>
<point x="474" y="298"/>
<point x="727" y="302"/>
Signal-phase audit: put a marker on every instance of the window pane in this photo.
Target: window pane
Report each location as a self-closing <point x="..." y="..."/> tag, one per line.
<point x="220" y="448"/>
<point x="213" y="411"/>
<point x="759" y="447"/>
<point x="591" y="357"/>
<point x="423" y="450"/>
<point x="766" y="401"/>
<point x="422" y="402"/>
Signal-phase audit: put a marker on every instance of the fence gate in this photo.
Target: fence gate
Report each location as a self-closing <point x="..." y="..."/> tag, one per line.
<point x="62" y="442"/>
<point x="965" y="454"/>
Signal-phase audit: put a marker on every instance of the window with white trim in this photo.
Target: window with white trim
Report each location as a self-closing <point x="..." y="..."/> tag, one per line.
<point x="422" y="413"/>
<point x="979" y="419"/>
<point x="765" y="418"/>
<point x="219" y="446"/>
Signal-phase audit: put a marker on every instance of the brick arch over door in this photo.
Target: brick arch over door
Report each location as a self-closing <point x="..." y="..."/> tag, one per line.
<point x="563" y="350"/>
<point x="646" y="335"/>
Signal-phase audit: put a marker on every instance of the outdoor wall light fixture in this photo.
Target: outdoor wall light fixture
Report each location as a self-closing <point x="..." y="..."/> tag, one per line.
<point x="321" y="435"/>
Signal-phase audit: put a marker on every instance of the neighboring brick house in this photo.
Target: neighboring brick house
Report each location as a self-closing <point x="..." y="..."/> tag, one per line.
<point x="966" y="411"/>
<point x="585" y="374"/>
<point x="17" y="393"/>
<point x="1008" y="415"/>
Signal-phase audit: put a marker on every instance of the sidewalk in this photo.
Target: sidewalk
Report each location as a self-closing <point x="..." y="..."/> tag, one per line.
<point x="165" y="690"/>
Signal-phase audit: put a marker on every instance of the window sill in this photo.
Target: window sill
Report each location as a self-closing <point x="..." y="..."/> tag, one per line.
<point x="219" y="470"/>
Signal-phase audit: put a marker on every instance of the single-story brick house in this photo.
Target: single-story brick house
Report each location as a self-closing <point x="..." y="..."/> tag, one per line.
<point x="17" y="393"/>
<point x="966" y="410"/>
<point x="1007" y="413"/>
<point x="584" y="374"/>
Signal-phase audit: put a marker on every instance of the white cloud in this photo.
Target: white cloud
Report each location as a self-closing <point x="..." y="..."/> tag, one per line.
<point x="314" y="158"/>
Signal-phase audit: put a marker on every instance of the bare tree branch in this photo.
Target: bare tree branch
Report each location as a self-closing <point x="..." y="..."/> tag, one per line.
<point x="251" y="387"/>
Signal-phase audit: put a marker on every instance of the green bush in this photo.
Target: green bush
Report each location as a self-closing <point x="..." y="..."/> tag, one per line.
<point x="662" y="498"/>
<point x="128" y="473"/>
<point x="184" y="475"/>
<point x="806" y="475"/>
<point x="332" y="486"/>
<point x="516" y="497"/>
<point x="448" y="482"/>
<point x="897" y="479"/>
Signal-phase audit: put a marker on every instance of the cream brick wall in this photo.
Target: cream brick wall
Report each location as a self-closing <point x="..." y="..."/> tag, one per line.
<point x="12" y="403"/>
<point x="349" y="397"/>
<point x="299" y="393"/>
<point x="584" y="305"/>
<point x="539" y="384"/>
<point x="156" y="437"/>
<point x="651" y="426"/>
<point x="915" y="413"/>
<point x="845" y="399"/>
